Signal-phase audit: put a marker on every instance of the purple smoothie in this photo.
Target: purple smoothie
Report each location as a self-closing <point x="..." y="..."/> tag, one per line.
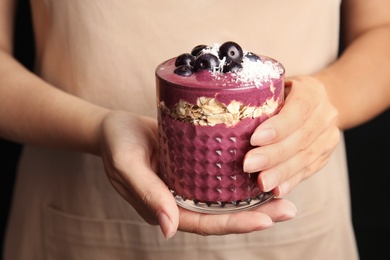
<point x="205" y="121"/>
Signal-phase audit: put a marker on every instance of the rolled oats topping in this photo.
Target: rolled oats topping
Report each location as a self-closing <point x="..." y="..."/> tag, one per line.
<point x="209" y="112"/>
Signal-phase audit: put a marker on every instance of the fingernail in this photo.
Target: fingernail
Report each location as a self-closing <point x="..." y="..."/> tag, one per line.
<point x="265" y="224"/>
<point x="165" y="225"/>
<point x="283" y="189"/>
<point x="263" y="136"/>
<point x="269" y="180"/>
<point x="255" y="163"/>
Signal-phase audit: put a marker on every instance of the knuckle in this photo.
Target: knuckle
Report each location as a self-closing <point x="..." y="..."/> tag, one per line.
<point x="147" y="197"/>
<point x="336" y="137"/>
<point x="307" y="172"/>
<point x="306" y="138"/>
<point x="318" y="164"/>
<point x="310" y="155"/>
<point x="277" y="158"/>
<point x="304" y="106"/>
<point x="332" y="141"/>
<point x="198" y="227"/>
<point x="117" y="160"/>
<point x="334" y="113"/>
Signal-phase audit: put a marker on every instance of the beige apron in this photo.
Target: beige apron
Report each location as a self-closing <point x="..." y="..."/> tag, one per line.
<point x="106" y="51"/>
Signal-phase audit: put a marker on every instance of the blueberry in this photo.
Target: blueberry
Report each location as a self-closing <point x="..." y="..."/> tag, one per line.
<point x="184" y="59"/>
<point x="231" y="50"/>
<point x="206" y="61"/>
<point x="184" y="70"/>
<point x="232" y="66"/>
<point x="197" y="49"/>
<point x="252" y="57"/>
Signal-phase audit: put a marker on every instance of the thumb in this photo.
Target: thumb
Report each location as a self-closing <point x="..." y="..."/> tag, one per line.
<point x="166" y="210"/>
<point x="156" y="205"/>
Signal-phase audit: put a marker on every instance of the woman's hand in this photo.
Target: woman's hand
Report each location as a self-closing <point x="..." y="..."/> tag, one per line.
<point x="129" y="152"/>
<point x="297" y="142"/>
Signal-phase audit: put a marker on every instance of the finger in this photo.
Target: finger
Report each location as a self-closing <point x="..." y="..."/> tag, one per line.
<point x="278" y="210"/>
<point x="267" y="156"/>
<point x="302" y="165"/>
<point x="129" y="150"/>
<point x="154" y="196"/>
<point x="288" y="185"/>
<point x="295" y="111"/>
<point x="261" y="218"/>
<point x="133" y="177"/>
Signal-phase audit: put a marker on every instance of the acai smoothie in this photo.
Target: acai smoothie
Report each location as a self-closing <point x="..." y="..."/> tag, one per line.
<point x="210" y="100"/>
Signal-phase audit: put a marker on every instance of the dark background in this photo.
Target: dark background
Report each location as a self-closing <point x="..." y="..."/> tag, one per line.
<point x="367" y="151"/>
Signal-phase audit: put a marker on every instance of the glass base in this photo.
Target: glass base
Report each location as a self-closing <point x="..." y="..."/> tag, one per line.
<point x="223" y="208"/>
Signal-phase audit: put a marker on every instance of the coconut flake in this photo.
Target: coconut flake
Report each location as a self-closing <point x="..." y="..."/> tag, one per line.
<point x="252" y="72"/>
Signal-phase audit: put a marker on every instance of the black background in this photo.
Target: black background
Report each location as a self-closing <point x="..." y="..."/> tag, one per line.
<point x="367" y="151"/>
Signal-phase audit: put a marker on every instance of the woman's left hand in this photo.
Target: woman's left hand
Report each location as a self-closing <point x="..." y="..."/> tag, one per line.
<point x="294" y="144"/>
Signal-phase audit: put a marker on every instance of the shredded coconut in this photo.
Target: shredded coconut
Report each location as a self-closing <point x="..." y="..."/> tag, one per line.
<point x="253" y="72"/>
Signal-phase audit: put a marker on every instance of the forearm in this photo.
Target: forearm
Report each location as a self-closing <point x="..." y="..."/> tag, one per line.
<point x="34" y="112"/>
<point x="359" y="82"/>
